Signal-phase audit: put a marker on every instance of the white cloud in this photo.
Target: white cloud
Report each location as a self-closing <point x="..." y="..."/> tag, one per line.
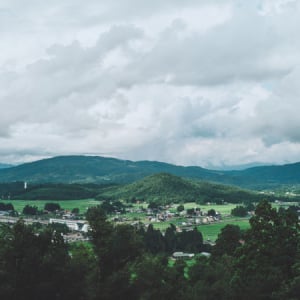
<point x="210" y="83"/>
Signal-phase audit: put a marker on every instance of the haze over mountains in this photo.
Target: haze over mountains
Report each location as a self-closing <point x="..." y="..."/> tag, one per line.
<point x="96" y="169"/>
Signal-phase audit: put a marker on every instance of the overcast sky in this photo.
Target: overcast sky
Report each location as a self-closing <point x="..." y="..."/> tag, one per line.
<point x="212" y="83"/>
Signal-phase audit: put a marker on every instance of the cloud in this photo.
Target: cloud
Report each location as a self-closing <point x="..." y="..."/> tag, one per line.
<point x="277" y="117"/>
<point x="210" y="83"/>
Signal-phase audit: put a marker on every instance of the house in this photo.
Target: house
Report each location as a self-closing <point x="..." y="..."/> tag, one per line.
<point x="77" y="225"/>
<point x="183" y="255"/>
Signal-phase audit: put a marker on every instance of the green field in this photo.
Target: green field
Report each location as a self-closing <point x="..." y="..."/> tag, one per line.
<point x="211" y="231"/>
<point x="224" y="209"/>
<point x="83" y="205"/>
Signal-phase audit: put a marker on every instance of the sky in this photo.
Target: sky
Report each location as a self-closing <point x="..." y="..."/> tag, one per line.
<point x="212" y="83"/>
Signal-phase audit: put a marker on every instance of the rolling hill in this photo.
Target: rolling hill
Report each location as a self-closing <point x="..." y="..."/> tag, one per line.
<point x="95" y="169"/>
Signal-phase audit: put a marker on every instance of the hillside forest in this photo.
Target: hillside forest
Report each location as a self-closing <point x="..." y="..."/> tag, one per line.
<point x="127" y="262"/>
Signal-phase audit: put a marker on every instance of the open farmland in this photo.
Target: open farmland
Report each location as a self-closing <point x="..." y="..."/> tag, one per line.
<point x="209" y="231"/>
<point x="83" y="204"/>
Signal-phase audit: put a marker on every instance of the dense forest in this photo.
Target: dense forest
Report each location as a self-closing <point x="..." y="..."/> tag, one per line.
<point x="130" y="262"/>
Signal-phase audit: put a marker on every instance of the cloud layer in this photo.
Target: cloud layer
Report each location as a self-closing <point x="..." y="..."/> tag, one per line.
<point x="210" y="83"/>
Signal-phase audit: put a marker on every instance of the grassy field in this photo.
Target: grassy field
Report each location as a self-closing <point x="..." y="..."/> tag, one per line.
<point x="223" y="209"/>
<point x="83" y="205"/>
<point x="211" y="231"/>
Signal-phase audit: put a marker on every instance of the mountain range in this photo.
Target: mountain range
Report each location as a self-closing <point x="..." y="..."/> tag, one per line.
<point x="96" y="169"/>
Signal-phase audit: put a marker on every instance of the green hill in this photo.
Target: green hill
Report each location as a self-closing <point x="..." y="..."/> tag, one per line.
<point x="50" y="191"/>
<point x="87" y="169"/>
<point x="95" y="169"/>
<point x="167" y="188"/>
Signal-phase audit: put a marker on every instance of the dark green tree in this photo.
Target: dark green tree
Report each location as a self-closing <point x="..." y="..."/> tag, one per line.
<point x="154" y="240"/>
<point x="265" y="262"/>
<point x="229" y="239"/>
<point x="52" y="207"/>
<point x="32" y="266"/>
<point x="180" y="208"/>
<point x="239" y="211"/>
<point x="171" y="239"/>
<point x="30" y="210"/>
<point x="211" y="212"/>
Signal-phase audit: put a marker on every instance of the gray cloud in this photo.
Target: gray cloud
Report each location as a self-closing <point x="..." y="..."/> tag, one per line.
<point x="210" y="83"/>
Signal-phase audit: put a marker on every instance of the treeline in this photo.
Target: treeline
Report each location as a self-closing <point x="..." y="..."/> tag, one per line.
<point x="124" y="262"/>
<point x="50" y="191"/>
<point x="9" y="189"/>
<point x="157" y="243"/>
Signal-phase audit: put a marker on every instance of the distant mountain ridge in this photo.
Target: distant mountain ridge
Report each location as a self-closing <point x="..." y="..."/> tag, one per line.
<point x="5" y="166"/>
<point x="97" y="169"/>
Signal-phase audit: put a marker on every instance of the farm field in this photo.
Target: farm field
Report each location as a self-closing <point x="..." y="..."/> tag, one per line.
<point x="211" y="231"/>
<point x="83" y="204"/>
<point x="224" y="209"/>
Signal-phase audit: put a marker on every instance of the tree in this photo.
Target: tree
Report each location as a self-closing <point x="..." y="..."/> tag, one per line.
<point x="30" y="210"/>
<point x="190" y="211"/>
<point x="190" y="241"/>
<point x="32" y="266"/>
<point x="154" y="240"/>
<point x="150" y="280"/>
<point x="180" y="208"/>
<point x="209" y="280"/>
<point x="52" y="207"/>
<point x="171" y="239"/>
<point x="100" y="234"/>
<point x="265" y="262"/>
<point x="75" y="211"/>
<point x="239" y="211"/>
<point x="6" y="207"/>
<point x="125" y="246"/>
<point x="153" y="205"/>
<point x="229" y="239"/>
<point x="211" y="212"/>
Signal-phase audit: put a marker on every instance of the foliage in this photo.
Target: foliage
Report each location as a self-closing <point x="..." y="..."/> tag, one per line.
<point x="180" y="208"/>
<point x="32" y="266"/>
<point x="6" y="207"/>
<point x="110" y="207"/>
<point x="92" y="169"/>
<point x="211" y="212"/>
<point x="52" y="206"/>
<point x="239" y="211"/>
<point x="166" y="188"/>
<point x="75" y="210"/>
<point x="228" y="240"/>
<point x="30" y="210"/>
<point x="124" y="262"/>
<point x="265" y="262"/>
<point x="59" y="191"/>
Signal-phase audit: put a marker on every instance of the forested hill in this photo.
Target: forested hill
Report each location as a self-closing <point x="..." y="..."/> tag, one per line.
<point x="87" y="169"/>
<point x="95" y="169"/>
<point x="267" y="176"/>
<point x="166" y="188"/>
